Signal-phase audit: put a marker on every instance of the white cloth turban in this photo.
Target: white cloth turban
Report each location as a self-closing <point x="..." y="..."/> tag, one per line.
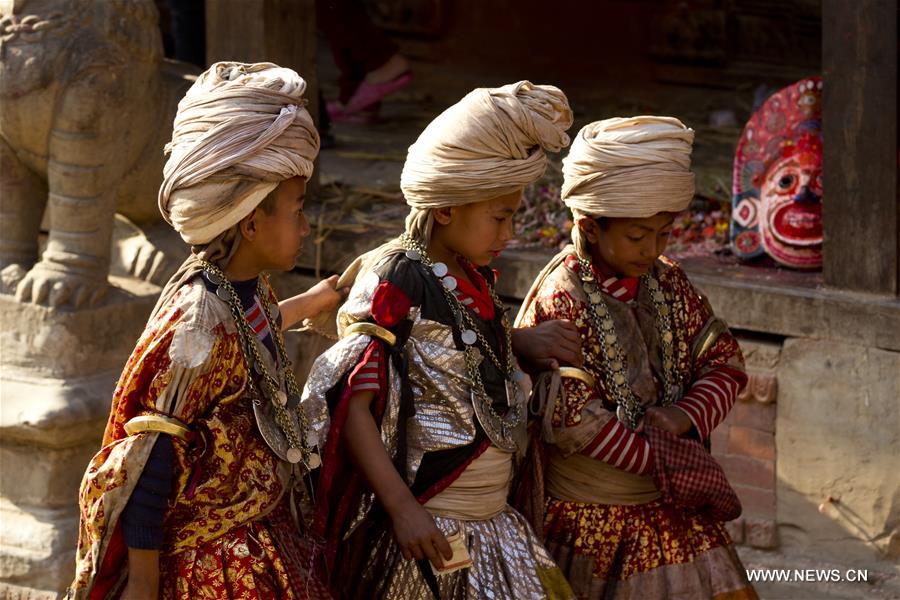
<point x="488" y="144"/>
<point x="240" y="130"/>
<point x="629" y="167"/>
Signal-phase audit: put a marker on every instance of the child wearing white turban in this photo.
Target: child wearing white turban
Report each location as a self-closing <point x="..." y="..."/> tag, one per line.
<point x="634" y="504"/>
<point x="427" y="413"/>
<point x="193" y="493"/>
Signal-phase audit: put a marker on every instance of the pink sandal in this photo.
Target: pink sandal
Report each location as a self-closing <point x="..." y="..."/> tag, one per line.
<point x="368" y="94"/>
<point x="338" y="113"/>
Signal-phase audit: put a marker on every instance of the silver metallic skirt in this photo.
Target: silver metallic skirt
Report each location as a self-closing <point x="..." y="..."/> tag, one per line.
<point x="510" y="563"/>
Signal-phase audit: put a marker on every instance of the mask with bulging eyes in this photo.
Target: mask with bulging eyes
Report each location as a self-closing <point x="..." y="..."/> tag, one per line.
<point x="777" y="206"/>
<point x="791" y="211"/>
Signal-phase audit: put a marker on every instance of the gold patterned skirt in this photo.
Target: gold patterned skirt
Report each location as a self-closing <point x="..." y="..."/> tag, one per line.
<point x="643" y="551"/>
<point x="510" y="563"/>
<point x="251" y="562"/>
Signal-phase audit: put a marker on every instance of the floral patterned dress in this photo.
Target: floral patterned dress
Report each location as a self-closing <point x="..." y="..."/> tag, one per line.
<point x="228" y="529"/>
<point x="604" y="521"/>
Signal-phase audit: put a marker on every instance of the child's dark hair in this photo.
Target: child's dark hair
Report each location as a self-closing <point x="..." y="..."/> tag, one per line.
<point x="268" y="203"/>
<point x="582" y="246"/>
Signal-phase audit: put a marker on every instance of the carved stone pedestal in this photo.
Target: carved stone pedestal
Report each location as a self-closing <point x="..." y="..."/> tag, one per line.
<point x="58" y="369"/>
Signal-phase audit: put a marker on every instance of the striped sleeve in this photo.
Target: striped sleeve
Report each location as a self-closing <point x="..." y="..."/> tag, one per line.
<point x="369" y="374"/>
<point x="711" y="397"/>
<point x="622" y="448"/>
<point x="614" y="444"/>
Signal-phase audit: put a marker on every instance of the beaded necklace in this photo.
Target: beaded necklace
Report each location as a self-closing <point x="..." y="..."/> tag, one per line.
<point x="270" y="388"/>
<point x="505" y="431"/>
<point x="629" y="410"/>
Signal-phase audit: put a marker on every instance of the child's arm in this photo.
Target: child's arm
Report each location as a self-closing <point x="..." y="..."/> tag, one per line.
<point x="548" y="345"/>
<point x="710" y="398"/>
<point x="319" y="298"/>
<point x="718" y="366"/>
<point x="585" y="425"/>
<point x="143" y="519"/>
<point x="143" y="575"/>
<point x="416" y="533"/>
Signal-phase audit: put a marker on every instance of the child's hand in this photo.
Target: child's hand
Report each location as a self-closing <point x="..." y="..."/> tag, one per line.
<point x="671" y="419"/>
<point x="548" y="345"/>
<point x="143" y="575"/>
<point x="418" y="536"/>
<point x="319" y="298"/>
<point x="325" y="296"/>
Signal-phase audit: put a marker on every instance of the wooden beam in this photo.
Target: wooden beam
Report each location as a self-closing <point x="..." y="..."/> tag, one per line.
<point x="859" y="118"/>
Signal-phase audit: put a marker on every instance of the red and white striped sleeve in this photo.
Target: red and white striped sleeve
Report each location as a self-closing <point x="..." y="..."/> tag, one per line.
<point x="390" y="305"/>
<point x="368" y="375"/>
<point x="614" y="444"/>
<point x="711" y="398"/>
<point x="622" y="448"/>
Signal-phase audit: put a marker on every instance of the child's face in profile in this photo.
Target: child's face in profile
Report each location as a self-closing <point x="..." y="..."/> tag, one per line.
<point x="279" y="234"/>
<point x="479" y="232"/>
<point x="626" y="246"/>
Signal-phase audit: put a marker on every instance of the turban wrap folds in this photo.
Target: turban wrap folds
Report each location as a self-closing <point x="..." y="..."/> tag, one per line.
<point x="489" y="144"/>
<point x="240" y="130"/>
<point x="630" y="167"/>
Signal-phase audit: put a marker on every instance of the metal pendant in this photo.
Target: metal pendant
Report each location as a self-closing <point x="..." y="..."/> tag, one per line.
<point x="439" y="269"/>
<point x="449" y="282"/>
<point x="267" y="423"/>
<point x="222" y="293"/>
<point x="497" y="431"/>
<point x="294" y="455"/>
<point x="314" y="461"/>
<point x="673" y="394"/>
<point x="413" y="255"/>
<point x="214" y="278"/>
<point x="469" y="337"/>
<point x="280" y="398"/>
<point x="514" y="395"/>
<point x="620" y="414"/>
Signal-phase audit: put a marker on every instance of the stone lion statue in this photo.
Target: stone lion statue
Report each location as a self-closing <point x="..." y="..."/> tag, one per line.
<point x="87" y="106"/>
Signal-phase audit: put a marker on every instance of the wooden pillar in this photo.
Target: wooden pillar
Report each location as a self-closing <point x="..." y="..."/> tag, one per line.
<point x="859" y="117"/>
<point x="278" y="31"/>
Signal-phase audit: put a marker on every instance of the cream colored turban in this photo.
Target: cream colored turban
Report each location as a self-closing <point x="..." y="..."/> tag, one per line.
<point x="629" y="167"/>
<point x="488" y="144"/>
<point x="240" y="130"/>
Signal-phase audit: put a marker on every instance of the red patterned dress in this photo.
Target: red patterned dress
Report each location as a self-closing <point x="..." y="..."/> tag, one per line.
<point x="604" y="521"/>
<point x="228" y="529"/>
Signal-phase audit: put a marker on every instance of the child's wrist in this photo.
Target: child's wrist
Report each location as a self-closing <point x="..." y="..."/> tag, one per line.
<point x="400" y="503"/>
